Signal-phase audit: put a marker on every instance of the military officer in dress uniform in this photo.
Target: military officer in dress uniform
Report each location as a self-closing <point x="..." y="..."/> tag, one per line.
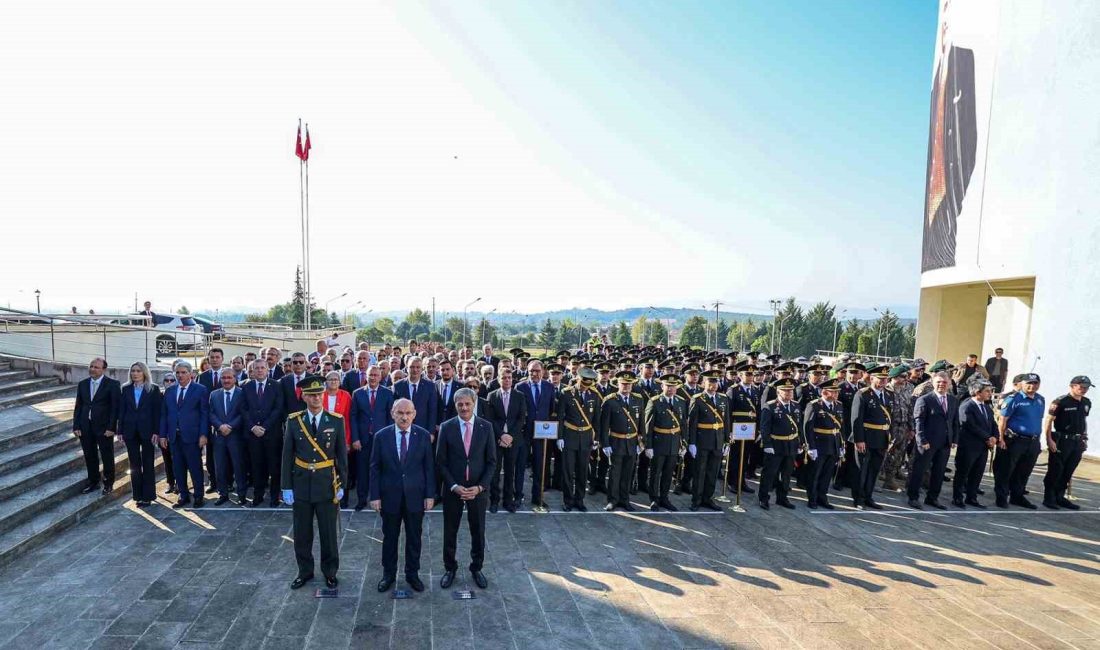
<point x="871" y="419"/>
<point x="646" y="387"/>
<point x="578" y="413"/>
<point x="598" y="464"/>
<point x="314" y="471"/>
<point x="708" y="439"/>
<point x="823" y="428"/>
<point x="781" y="436"/>
<point x="848" y="374"/>
<point x="687" y="391"/>
<point x="620" y="426"/>
<point x="743" y="410"/>
<point x="665" y="415"/>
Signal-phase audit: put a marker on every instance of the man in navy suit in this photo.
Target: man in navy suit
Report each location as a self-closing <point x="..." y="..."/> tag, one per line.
<point x="185" y="422"/>
<point x="211" y="380"/>
<point x="227" y="419"/>
<point x="540" y="396"/>
<point x="263" y="431"/>
<point x="95" y="416"/>
<point x="422" y="393"/>
<point x="292" y="397"/>
<point x="466" y="458"/>
<point x="371" y="408"/>
<point x="936" y="415"/>
<point x="356" y="378"/>
<point x="402" y="486"/>
<point x="508" y="413"/>
<point x="448" y="386"/>
<point x="273" y="357"/>
<point x="977" y="435"/>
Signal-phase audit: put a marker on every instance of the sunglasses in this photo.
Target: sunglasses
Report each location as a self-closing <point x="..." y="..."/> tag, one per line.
<point x="298" y="362"/>
<point x="169" y="381"/>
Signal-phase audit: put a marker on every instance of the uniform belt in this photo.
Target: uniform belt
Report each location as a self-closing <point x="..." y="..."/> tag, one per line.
<point x="668" y="432"/>
<point x="313" y="466"/>
<point x="826" y="432"/>
<point x="713" y="427"/>
<point x="744" y="414"/>
<point x="573" y="427"/>
<point x="1067" y="434"/>
<point x="790" y="437"/>
<point x="876" y="427"/>
<point x="624" y="436"/>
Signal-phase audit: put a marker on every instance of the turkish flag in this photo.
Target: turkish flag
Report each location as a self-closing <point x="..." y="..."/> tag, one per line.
<point x="298" y="151"/>
<point x="306" y="147"/>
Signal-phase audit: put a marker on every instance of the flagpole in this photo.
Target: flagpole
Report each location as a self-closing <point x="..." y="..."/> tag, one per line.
<point x="302" y="219"/>
<point x="309" y="302"/>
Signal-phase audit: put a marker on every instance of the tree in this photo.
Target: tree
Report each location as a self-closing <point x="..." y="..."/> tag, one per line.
<point x="849" y="338"/>
<point x="817" y="331"/>
<point x="184" y="311"/>
<point x="385" y="327"/>
<point x="694" y="332"/>
<point x="620" y="334"/>
<point x="452" y="329"/>
<point x="790" y="339"/>
<point x="638" y="330"/>
<point x="548" y="334"/>
<point x="419" y="323"/>
<point x="483" y="333"/>
<point x="723" y="332"/>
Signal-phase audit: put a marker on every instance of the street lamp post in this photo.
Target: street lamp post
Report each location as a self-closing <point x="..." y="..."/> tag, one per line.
<point x="358" y="304"/>
<point x="836" y="327"/>
<point x="878" y="335"/>
<point x="330" y="301"/>
<point x="464" y="312"/>
<point x="38" y="299"/>
<point x="488" y="324"/>
<point x="775" y="317"/>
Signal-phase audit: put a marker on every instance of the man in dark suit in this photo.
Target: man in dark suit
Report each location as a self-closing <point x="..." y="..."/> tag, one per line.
<point x="273" y="358"/>
<point x="371" y="408"/>
<point x="422" y="393"/>
<point x="936" y="417"/>
<point x="402" y="487"/>
<point x="264" y="433"/>
<point x="977" y="435"/>
<point x="227" y="420"/>
<point x="95" y="417"/>
<point x="448" y="386"/>
<point x="508" y="413"/>
<point x="466" y="458"/>
<point x="488" y="357"/>
<point x="185" y="421"/>
<point x="292" y="396"/>
<point x="211" y="380"/>
<point x="356" y="378"/>
<point x="539" y="394"/>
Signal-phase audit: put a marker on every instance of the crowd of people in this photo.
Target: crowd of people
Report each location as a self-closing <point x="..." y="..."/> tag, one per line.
<point x="625" y="419"/>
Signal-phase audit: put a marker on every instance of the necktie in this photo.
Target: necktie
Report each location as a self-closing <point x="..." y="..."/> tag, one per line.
<point x="504" y="398"/>
<point x="260" y="390"/>
<point x="404" y="445"/>
<point x="227" y="403"/>
<point x="447" y="393"/>
<point x="179" y="396"/>
<point x="372" y="402"/>
<point x="313" y="424"/>
<point x="535" y="389"/>
<point x="362" y="378"/>
<point x="466" y="435"/>
<point x="943" y="403"/>
<point x="93" y="386"/>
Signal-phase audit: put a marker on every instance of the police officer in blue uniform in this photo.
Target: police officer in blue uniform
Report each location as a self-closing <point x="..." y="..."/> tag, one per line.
<point x="1018" y="443"/>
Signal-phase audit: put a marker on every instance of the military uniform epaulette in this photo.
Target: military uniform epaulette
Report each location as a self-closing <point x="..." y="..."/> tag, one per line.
<point x="611" y="395"/>
<point x="335" y="414"/>
<point x="815" y="401"/>
<point x="771" y="403"/>
<point x="295" y="414"/>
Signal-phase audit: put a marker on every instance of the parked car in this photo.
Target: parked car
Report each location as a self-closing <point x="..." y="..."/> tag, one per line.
<point x="181" y="331"/>
<point x="209" y="326"/>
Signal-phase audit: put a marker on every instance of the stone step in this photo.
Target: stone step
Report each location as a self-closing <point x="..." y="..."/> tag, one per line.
<point x="5" y="365"/>
<point x="16" y="484"/>
<point x="47" y="522"/>
<point x="33" y="432"/>
<point x="21" y="457"/>
<point x="25" y="385"/>
<point x="17" y="511"/>
<point x="36" y="396"/>
<point x="15" y="375"/>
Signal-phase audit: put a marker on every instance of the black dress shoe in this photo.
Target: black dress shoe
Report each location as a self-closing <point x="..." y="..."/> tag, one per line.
<point x="359" y="507"/>
<point x="142" y="504"/>
<point x="745" y="489"/>
<point x="667" y="505"/>
<point x="107" y="488"/>
<point x="511" y="507"/>
<point x="212" y="489"/>
<point x="764" y="505"/>
<point x="415" y="582"/>
<point x="274" y="503"/>
<point x="975" y="503"/>
<point x="981" y="492"/>
<point x="935" y="504"/>
<point x="873" y="505"/>
<point x="811" y="505"/>
<point x="1050" y="505"/>
<point x="693" y="508"/>
<point x="255" y="503"/>
<point x="826" y="505"/>
<point x="786" y="504"/>
<point x="221" y="501"/>
<point x="915" y="505"/>
<point x="479" y="579"/>
<point x="654" y="506"/>
<point x="1023" y="503"/>
<point x="385" y="583"/>
<point x="627" y="506"/>
<point x="609" y="507"/>
<point x="300" y="581"/>
<point x="710" y="505"/>
<point x="1002" y="503"/>
<point x="1067" y="504"/>
<point x="494" y="508"/>
<point x="591" y="490"/>
<point x="958" y="503"/>
<point x="580" y="506"/>
<point x="171" y="490"/>
<point x="200" y="502"/>
<point x="331" y="582"/>
<point x="447" y="580"/>
<point x="566" y="507"/>
<point x="88" y="489"/>
<point x="182" y="503"/>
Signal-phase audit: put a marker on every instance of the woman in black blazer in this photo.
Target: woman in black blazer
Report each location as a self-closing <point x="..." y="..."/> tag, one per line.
<point x="138" y="422"/>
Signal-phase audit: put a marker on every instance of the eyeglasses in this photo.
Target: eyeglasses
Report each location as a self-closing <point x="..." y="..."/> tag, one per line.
<point x="298" y="361"/>
<point x="169" y="381"/>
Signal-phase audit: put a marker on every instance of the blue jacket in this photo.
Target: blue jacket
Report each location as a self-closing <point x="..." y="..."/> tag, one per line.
<point x="399" y="484"/>
<point x="426" y="401"/>
<point x="268" y="412"/>
<point x="365" y="421"/>
<point x="190" y="419"/>
<point x="933" y="425"/>
<point x="234" y="417"/>
<point x="539" y="411"/>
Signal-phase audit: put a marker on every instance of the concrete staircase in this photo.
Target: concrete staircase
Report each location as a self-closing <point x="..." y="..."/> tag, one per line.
<point x="41" y="465"/>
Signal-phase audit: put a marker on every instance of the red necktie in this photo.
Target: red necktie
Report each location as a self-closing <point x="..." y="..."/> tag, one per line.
<point x="372" y="399"/>
<point x="363" y="379"/>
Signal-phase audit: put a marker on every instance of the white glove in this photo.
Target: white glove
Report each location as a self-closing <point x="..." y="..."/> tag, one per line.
<point x="725" y="449"/>
<point x="813" y="454"/>
<point x="637" y="449"/>
<point x="769" y="450"/>
<point x="649" y="453"/>
<point x="693" y="450"/>
<point x="607" y="451"/>
<point x="339" y="494"/>
<point x="561" y="445"/>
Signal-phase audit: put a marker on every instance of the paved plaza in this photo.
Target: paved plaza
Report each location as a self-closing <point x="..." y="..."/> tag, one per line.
<point x="219" y="577"/>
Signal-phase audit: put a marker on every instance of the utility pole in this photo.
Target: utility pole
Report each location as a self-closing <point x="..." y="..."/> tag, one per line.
<point x="433" y="313"/>
<point x="775" y="317"/>
<point x="716" y="343"/>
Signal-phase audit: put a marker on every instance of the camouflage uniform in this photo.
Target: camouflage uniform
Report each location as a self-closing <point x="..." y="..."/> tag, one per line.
<point x="901" y="426"/>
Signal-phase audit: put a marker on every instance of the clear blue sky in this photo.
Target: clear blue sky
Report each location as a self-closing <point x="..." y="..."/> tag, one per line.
<point x="745" y="148"/>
